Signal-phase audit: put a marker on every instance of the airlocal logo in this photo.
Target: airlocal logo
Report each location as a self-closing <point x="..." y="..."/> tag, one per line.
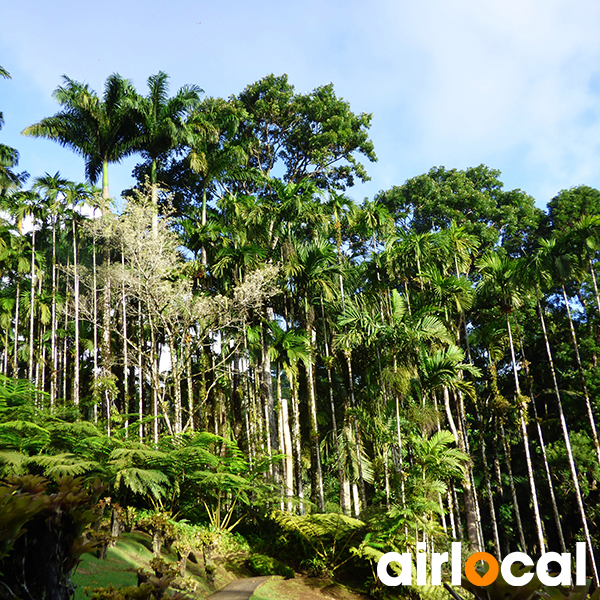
<point x="438" y="559"/>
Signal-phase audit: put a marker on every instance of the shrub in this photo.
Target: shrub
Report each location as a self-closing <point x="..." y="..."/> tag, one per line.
<point x="267" y="565"/>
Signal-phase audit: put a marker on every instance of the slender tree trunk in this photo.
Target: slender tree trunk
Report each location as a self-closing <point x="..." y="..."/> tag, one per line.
<point x="470" y="511"/>
<point x="106" y="347"/>
<point x="343" y="504"/>
<point x="76" y="368"/>
<point x="399" y="436"/>
<point x="513" y="490"/>
<point x="297" y="442"/>
<point x="95" y="308"/>
<point x="588" y="404"/>
<point x="361" y="481"/>
<point x="125" y="355"/>
<point x="140" y="371"/>
<point x="314" y="427"/>
<point x="536" y="508"/>
<point x="267" y="392"/>
<point x="567" y="440"/>
<point x="31" y="308"/>
<point x="190" y="387"/>
<point x="53" y="322"/>
<point x="555" y="512"/>
<point x="16" y="344"/>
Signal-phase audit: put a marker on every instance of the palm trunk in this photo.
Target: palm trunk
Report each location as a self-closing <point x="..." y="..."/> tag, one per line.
<point x="361" y="481"/>
<point x="53" y="322"/>
<point x="470" y="511"/>
<point x="296" y="441"/>
<point x="125" y="356"/>
<point x="513" y="490"/>
<point x="545" y="461"/>
<point x="16" y="346"/>
<point x="106" y="349"/>
<point x="314" y="427"/>
<point x="532" y="486"/>
<point x="31" y="308"/>
<point x="95" y="308"/>
<point x="399" y="437"/>
<point x="343" y="504"/>
<point x="140" y="372"/>
<point x="154" y="193"/>
<point x="588" y="404"/>
<point x="76" y="378"/>
<point x="567" y="440"/>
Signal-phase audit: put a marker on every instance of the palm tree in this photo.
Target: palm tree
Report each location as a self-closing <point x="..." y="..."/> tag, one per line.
<point x="161" y="124"/>
<point x="52" y="186"/>
<point x="99" y="129"/>
<point x="499" y="279"/>
<point x="540" y="273"/>
<point x="9" y="159"/>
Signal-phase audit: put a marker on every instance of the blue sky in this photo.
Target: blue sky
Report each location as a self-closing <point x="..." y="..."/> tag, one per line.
<point x="511" y="84"/>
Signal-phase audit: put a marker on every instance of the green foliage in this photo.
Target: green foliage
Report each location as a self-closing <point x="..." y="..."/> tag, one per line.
<point x="328" y="535"/>
<point x="41" y="534"/>
<point x="267" y="565"/>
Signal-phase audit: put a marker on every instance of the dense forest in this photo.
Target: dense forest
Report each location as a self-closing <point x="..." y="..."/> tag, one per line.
<point x="242" y="338"/>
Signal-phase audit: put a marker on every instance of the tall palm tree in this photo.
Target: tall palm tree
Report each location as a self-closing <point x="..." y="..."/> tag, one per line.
<point x="9" y="159"/>
<point x="540" y="273"/>
<point x="499" y="278"/>
<point x="99" y="129"/>
<point x="52" y="187"/>
<point x="161" y="123"/>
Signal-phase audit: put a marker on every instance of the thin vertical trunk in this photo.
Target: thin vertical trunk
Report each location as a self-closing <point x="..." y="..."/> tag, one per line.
<point x="470" y="511"/>
<point x="76" y="377"/>
<point x="555" y="512"/>
<point x="513" y="490"/>
<point x="125" y="355"/>
<point x="16" y="346"/>
<point x="588" y="404"/>
<point x="95" y="308"/>
<point x="190" y="387"/>
<point x="296" y="441"/>
<point x="178" y="417"/>
<point x="567" y="440"/>
<point x="106" y="347"/>
<point x="488" y="485"/>
<point x="140" y="371"/>
<point x="31" y="308"/>
<point x="314" y="429"/>
<point x="53" y="322"/>
<point x="361" y="480"/>
<point x="203" y="257"/>
<point x="343" y="504"/>
<point x="267" y="392"/>
<point x="154" y="193"/>
<point x="399" y="436"/>
<point x="536" y="508"/>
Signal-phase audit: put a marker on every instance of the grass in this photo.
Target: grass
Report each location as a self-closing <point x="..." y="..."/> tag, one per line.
<point x="133" y="550"/>
<point x="304" y="588"/>
<point x="119" y="567"/>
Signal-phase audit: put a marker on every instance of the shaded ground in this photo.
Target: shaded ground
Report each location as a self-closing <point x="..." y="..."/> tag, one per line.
<point x="304" y="588"/>
<point x="241" y="589"/>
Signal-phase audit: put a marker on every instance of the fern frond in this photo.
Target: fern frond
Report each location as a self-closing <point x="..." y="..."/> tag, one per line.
<point x="146" y="482"/>
<point x="61" y="465"/>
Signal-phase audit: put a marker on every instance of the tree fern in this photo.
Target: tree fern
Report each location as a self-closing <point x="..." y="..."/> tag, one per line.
<point x="145" y="482"/>
<point x="61" y="465"/>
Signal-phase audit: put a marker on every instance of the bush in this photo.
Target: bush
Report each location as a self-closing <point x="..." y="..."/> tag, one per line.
<point x="260" y="564"/>
<point x="41" y="535"/>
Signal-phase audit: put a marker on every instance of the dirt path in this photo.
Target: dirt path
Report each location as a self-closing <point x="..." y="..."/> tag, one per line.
<point x="241" y="589"/>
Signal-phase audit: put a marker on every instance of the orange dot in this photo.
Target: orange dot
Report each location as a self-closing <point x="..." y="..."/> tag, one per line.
<point x="474" y="577"/>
